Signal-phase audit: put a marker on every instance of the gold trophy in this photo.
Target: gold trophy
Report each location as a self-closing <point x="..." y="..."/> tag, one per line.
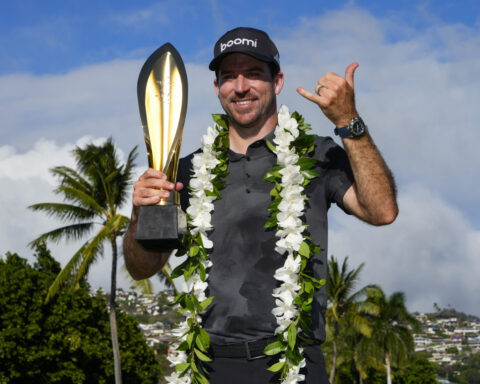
<point x="162" y="98"/>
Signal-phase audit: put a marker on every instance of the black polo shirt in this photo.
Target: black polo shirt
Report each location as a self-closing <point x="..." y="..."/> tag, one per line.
<point x="244" y="257"/>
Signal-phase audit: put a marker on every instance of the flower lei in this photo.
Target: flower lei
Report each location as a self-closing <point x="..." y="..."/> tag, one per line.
<point x="294" y="296"/>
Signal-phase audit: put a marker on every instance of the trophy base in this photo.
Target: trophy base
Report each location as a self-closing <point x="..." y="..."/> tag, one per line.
<point x="157" y="227"/>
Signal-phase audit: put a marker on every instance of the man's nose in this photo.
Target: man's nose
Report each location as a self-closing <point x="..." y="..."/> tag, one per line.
<point x="241" y="84"/>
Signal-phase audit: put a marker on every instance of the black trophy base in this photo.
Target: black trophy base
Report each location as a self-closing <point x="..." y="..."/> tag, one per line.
<point x="157" y="227"/>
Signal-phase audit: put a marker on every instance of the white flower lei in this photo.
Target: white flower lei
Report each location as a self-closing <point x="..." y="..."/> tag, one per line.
<point x="291" y="175"/>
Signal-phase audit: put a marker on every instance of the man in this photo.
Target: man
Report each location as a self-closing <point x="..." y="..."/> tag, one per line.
<point x="248" y="78"/>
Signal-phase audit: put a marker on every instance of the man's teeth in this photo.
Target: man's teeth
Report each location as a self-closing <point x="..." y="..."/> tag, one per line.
<point x="243" y="102"/>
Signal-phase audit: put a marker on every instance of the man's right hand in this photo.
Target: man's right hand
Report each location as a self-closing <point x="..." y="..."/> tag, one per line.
<point x="150" y="187"/>
<point x="147" y="190"/>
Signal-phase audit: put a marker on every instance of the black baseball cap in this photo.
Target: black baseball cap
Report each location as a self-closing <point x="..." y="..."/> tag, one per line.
<point x="249" y="41"/>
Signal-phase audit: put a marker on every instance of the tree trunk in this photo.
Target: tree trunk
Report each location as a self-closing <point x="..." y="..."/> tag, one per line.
<point x="389" y="373"/>
<point x="357" y="364"/>
<point x="113" y="318"/>
<point x="334" y="354"/>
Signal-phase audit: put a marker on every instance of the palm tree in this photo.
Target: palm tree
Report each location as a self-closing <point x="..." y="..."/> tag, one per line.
<point x="392" y="342"/>
<point x="92" y="194"/>
<point x="347" y="310"/>
<point x="362" y="361"/>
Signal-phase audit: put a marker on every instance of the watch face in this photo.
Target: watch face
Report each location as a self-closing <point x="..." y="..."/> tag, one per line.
<point x="357" y="128"/>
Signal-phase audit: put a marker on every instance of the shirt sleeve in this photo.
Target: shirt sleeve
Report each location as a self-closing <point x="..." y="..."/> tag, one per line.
<point x="338" y="173"/>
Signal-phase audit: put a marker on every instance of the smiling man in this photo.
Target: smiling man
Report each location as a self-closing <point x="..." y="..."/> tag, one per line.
<point x="246" y="88"/>
<point x="245" y="255"/>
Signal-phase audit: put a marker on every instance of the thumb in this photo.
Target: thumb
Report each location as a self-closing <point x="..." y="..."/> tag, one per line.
<point x="178" y="186"/>
<point x="349" y="73"/>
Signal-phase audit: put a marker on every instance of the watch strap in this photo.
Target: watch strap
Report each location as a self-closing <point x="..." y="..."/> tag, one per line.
<point x="343" y="132"/>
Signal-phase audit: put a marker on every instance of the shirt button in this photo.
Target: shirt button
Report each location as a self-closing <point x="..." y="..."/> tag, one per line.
<point x="247" y="190"/>
<point x="247" y="174"/>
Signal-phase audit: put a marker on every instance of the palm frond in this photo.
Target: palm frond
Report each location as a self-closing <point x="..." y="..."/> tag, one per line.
<point x="107" y="183"/>
<point x="366" y="292"/>
<point x="93" y="249"/>
<point x="70" y="177"/>
<point x="64" y="212"/>
<point x="118" y="224"/>
<point x="361" y="325"/>
<point x="110" y="187"/>
<point x="372" y="292"/>
<point x="366" y="308"/>
<point x="83" y="198"/>
<point x="68" y="232"/>
<point x="130" y="163"/>
<point x="101" y="166"/>
<point x="66" y="273"/>
<point x="93" y="157"/>
<point x="112" y="176"/>
<point x="112" y="228"/>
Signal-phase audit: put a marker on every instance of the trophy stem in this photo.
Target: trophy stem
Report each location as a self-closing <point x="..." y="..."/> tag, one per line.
<point x="176" y="198"/>
<point x="173" y="199"/>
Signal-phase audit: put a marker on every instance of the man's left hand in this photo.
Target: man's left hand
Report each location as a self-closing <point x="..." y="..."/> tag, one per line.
<point x="335" y="97"/>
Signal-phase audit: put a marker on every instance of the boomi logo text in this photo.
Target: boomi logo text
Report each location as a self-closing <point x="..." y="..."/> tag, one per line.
<point x="238" y="41"/>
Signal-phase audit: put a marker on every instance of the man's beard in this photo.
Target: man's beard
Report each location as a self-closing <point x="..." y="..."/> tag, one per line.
<point x="262" y="113"/>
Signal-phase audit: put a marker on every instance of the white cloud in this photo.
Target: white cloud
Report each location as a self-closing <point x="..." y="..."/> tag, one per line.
<point x="35" y="163"/>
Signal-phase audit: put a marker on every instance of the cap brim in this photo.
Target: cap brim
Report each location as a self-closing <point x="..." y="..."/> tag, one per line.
<point x="213" y="66"/>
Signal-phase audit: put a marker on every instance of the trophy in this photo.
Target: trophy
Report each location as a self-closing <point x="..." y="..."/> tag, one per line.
<point x="162" y="98"/>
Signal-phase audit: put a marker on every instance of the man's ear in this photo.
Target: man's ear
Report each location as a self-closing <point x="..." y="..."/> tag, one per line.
<point x="278" y="82"/>
<point x="215" y="84"/>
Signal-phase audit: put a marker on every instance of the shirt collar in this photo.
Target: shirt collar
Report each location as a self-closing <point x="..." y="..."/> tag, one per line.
<point x="233" y="156"/>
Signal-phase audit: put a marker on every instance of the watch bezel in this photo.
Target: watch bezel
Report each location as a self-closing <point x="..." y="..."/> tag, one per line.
<point x="356" y="127"/>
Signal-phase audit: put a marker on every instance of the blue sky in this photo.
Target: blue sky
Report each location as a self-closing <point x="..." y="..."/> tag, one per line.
<point x="50" y="37"/>
<point x="68" y="73"/>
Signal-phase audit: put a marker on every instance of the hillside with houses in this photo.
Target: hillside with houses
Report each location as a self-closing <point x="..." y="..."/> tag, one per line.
<point x="448" y="338"/>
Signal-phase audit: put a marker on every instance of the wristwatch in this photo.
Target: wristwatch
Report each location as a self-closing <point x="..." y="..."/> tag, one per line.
<point x="355" y="128"/>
